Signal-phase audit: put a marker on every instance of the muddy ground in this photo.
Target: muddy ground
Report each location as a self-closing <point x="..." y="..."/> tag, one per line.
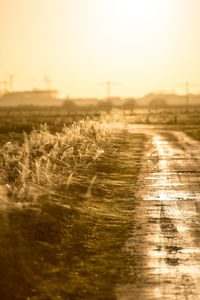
<point x="164" y="247"/>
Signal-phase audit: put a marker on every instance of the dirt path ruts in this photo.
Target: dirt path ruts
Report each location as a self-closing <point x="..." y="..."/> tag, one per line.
<point x="164" y="248"/>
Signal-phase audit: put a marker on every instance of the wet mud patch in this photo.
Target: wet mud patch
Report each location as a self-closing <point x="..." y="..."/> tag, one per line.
<point x="171" y="137"/>
<point x="166" y="231"/>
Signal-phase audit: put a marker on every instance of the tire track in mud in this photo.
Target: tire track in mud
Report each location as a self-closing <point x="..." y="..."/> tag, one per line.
<point x="164" y="248"/>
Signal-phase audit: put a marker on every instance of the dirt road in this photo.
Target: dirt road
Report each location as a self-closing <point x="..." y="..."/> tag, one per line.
<point x="164" y="248"/>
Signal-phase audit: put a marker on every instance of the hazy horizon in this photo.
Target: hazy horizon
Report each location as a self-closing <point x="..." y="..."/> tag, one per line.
<point x="144" y="46"/>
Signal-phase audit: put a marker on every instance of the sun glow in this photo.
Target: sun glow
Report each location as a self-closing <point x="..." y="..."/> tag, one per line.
<point x="142" y="18"/>
<point x="147" y="45"/>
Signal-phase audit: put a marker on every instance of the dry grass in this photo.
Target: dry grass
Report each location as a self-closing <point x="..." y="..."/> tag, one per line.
<point x="49" y="163"/>
<point x="66" y="208"/>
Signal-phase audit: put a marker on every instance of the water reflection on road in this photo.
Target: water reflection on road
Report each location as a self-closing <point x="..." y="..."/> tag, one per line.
<point x="164" y="246"/>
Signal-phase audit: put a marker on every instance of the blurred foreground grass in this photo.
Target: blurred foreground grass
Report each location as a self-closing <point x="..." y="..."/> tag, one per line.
<point x="66" y="206"/>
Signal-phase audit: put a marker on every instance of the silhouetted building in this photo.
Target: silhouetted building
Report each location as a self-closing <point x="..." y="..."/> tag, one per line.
<point x="170" y="99"/>
<point x="33" y="97"/>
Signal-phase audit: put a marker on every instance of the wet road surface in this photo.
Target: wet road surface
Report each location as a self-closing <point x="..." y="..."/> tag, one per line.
<point x="164" y="247"/>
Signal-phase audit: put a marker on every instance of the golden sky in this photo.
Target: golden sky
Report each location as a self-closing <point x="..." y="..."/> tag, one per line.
<point x="145" y="45"/>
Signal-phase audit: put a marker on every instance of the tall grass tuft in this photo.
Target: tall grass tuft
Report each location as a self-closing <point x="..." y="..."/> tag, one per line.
<point x="64" y="210"/>
<point x="49" y="163"/>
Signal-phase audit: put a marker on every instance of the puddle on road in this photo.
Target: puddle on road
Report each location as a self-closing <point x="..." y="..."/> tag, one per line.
<point x="167" y="234"/>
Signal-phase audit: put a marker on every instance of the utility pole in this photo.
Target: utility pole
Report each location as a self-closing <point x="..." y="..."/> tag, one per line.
<point x="47" y="82"/>
<point x="187" y="93"/>
<point x="187" y="86"/>
<point x="108" y="87"/>
<point x="10" y="80"/>
<point x="5" y="84"/>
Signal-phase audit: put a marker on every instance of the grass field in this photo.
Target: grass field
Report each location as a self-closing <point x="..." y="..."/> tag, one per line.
<point x="13" y="121"/>
<point x="67" y="199"/>
<point x="180" y="118"/>
<point x="64" y="211"/>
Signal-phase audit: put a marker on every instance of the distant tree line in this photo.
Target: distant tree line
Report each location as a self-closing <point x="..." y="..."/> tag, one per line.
<point x="108" y="104"/>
